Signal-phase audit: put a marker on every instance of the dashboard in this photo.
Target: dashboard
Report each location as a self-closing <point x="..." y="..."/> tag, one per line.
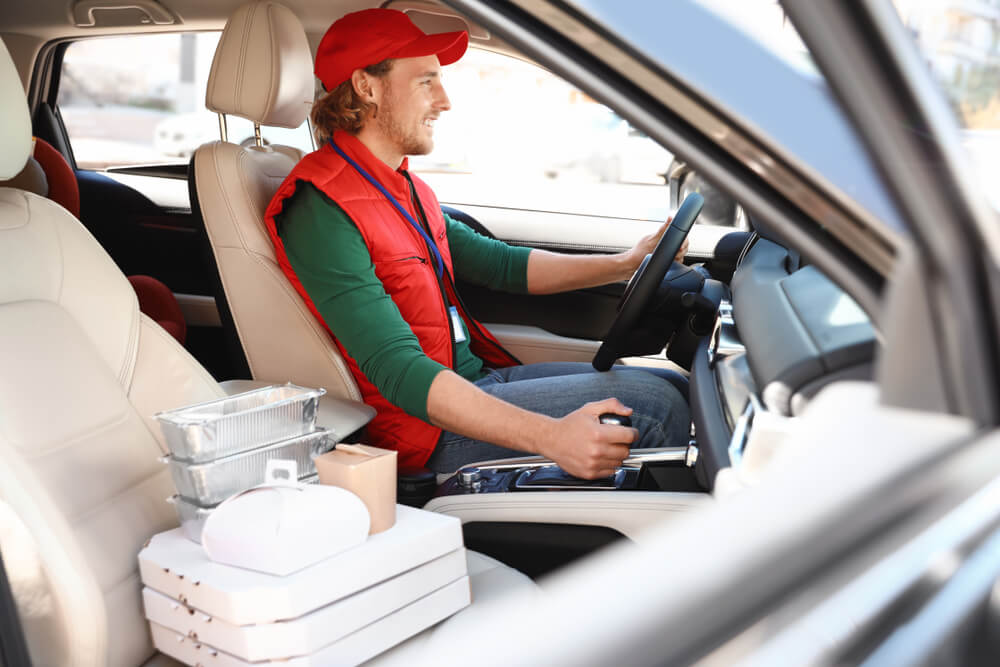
<point x="785" y="332"/>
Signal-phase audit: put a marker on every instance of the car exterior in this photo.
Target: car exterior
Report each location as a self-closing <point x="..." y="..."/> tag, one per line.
<point x="597" y="144"/>
<point x="180" y="135"/>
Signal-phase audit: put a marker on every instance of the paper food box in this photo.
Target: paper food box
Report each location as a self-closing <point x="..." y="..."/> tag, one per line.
<point x="370" y="473"/>
<point x="360" y="601"/>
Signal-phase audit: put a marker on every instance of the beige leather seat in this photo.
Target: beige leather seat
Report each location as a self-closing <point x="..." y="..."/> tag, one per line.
<point x="262" y="72"/>
<point x="81" y="488"/>
<point x="80" y="485"/>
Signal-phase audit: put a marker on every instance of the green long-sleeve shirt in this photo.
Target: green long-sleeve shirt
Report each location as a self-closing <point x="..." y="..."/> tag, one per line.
<point x="330" y="257"/>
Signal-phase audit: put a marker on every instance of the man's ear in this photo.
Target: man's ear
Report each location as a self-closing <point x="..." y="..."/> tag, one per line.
<point x="364" y="85"/>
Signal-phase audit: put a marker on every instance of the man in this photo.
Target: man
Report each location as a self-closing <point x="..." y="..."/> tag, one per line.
<point x="366" y="244"/>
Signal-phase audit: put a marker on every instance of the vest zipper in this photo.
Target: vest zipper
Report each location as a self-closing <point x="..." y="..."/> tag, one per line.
<point x="415" y="200"/>
<point x="451" y="281"/>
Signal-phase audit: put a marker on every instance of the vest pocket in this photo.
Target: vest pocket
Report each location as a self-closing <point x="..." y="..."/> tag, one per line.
<point x="402" y="258"/>
<point x="397" y="267"/>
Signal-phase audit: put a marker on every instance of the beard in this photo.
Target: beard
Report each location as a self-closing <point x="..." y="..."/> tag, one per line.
<point x="408" y="140"/>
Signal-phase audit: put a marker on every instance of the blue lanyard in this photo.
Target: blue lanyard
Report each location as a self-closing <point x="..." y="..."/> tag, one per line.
<point x="439" y="263"/>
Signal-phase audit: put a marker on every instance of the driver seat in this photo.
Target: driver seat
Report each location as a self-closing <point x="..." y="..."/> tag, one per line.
<point x="262" y="71"/>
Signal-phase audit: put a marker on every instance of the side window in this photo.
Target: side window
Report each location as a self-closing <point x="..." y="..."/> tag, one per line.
<point x="520" y="137"/>
<point x="140" y="99"/>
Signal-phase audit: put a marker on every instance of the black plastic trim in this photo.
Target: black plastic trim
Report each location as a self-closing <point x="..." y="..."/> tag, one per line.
<point x="178" y="171"/>
<point x="462" y="216"/>
<point x="536" y="548"/>
<point x="709" y="419"/>
<point x="13" y="646"/>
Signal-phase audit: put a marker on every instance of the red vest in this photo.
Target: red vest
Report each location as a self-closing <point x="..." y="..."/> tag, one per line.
<point x="407" y="272"/>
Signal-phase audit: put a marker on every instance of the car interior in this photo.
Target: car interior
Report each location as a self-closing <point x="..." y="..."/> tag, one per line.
<point x="89" y="356"/>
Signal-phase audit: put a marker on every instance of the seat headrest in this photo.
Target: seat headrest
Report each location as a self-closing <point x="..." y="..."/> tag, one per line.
<point x="31" y="178"/>
<point x="262" y="69"/>
<point x="15" y="120"/>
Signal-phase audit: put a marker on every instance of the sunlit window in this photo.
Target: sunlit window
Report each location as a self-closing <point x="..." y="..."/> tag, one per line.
<point x="518" y="136"/>
<point x="960" y="42"/>
<point x="140" y="99"/>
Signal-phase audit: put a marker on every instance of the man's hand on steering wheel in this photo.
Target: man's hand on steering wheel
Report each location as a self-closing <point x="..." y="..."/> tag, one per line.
<point x="647" y="244"/>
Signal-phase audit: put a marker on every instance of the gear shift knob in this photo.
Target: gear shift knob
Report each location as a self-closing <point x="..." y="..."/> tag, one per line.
<point x="612" y="418"/>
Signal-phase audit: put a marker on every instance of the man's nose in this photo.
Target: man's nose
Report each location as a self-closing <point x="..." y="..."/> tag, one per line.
<point x="441" y="101"/>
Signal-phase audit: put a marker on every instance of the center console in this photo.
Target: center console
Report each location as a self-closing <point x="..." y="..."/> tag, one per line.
<point x="644" y="469"/>
<point x="513" y="506"/>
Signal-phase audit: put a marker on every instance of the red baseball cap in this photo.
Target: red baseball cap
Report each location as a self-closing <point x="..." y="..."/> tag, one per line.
<point x="364" y="38"/>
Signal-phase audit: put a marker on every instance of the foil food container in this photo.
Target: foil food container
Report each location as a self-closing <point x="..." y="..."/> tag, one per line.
<point x="227" y="426"/>
<point x="193" y="516"/>
<point x="208" y="484"/>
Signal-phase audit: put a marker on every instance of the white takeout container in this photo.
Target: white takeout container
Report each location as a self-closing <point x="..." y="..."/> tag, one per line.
<point x="193" y="516"/>
<point x="282" y="526"/>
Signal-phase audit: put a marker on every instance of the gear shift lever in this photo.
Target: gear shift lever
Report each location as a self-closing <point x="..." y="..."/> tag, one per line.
<point x="617" y="420"/>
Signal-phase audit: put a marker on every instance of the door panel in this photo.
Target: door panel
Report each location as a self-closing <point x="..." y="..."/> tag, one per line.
<point x="568" y="326"/>
<point x="145" y="224"/>
<point x="532" y="345"/>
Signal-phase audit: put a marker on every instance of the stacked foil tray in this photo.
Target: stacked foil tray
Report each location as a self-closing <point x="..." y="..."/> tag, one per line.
<point x="222" y="447"/>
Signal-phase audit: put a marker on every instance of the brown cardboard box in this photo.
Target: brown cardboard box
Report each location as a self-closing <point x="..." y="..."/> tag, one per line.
<point x="370" y="473"/>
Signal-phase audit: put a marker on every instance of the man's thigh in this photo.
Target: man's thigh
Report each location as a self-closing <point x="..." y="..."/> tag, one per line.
<point x="562" y="368"/>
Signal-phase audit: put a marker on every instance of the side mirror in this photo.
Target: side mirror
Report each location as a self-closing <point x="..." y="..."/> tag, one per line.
<point x="720" y="209"/>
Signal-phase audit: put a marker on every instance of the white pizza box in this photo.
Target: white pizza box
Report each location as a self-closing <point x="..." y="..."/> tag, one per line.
<point x="353" y="649"/>
<point x="177" y="567"/>
<point x="306" y="634"/>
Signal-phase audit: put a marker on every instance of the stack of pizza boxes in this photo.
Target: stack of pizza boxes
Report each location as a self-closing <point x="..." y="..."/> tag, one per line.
<point x="304" y="574"/>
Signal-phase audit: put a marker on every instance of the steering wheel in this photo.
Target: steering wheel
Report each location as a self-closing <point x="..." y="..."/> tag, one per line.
<point x="647" y="278"/>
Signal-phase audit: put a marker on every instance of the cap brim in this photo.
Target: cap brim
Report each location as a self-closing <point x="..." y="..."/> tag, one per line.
<point x="447" y="46"/>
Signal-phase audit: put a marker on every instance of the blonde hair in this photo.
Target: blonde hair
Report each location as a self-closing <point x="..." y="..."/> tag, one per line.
<point x="342" y="109"/>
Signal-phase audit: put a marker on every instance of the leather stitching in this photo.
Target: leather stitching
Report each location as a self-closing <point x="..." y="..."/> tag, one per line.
<point x="107" y="425"/>
<point x="270" y="101"/>
<point x="27" y="215"/>
<point x="241" y="64"/>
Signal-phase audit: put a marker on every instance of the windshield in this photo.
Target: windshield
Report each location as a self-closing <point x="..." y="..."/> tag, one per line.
<point x="960" y="42"/>
<point x="747" y="61"/>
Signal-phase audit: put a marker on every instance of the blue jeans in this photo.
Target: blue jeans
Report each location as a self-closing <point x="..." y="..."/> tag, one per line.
<point x="660" y="411"/>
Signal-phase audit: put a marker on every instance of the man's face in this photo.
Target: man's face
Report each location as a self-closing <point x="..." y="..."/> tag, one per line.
<point x="412" y="98"/>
